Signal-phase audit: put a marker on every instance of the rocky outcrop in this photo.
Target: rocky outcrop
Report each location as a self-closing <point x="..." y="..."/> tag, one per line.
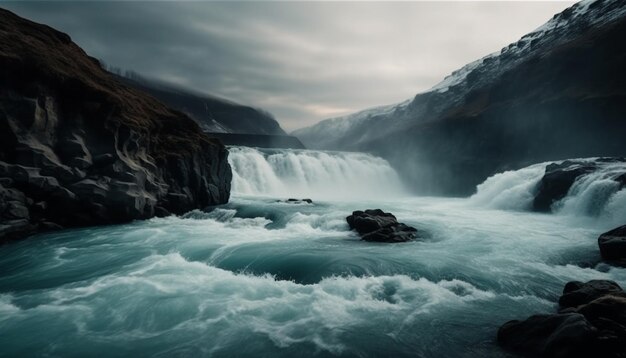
<point x="613" y="245"/>
<point x="560" y="177"/>
<point x="557" y="181"/>
<point x="379" y="226"/>
<point x="592" y="322"/>
<point x="554" y="335"/>
<point x="576" y="293"/>
<point x="79" y="148"/>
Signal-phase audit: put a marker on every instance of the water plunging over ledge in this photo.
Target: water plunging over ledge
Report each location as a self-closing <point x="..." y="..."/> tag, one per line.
<point x="312" y="173"/>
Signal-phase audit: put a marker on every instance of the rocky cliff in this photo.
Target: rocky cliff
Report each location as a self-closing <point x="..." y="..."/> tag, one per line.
<point x="557" y="93"/>
<point x="77" y="147"/>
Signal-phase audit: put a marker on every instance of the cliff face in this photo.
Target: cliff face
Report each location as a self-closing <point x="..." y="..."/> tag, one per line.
<point x="77" y="147"/>
<point x="557" y="93"/>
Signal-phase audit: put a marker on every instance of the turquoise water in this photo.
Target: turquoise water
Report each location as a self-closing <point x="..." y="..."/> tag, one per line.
<point x="258" y="278"/>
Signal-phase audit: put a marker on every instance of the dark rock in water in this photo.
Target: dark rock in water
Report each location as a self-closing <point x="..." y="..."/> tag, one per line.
<point x="393" y="233"/>
<point x="377" y="225"/>
<point x="555" y="335"/>
<point x="298" y="201"/>
<point x="557" y="181"/>
<point x="577" y="293"/>
<point x="592" y="323"/>
<point x="370" y="220"/>
<point x="608" y="307"/>
<point x="77" y="147"/>
<point x="608" y="315"/>
<point x="613" y="245"/>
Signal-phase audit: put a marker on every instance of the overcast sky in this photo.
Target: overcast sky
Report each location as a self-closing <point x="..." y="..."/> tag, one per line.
<point x="302" y="61"/>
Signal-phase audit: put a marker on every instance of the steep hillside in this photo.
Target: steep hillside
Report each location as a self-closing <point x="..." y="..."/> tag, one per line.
<point x="213" y="114"/>
<point x="77" y="147"/>
<point x="559" y="92"/>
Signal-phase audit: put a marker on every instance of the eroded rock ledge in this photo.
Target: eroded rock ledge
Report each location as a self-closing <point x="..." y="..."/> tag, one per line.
<point x="79" y="148"/>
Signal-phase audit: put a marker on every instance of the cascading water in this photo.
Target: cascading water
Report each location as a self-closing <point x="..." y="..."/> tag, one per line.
<point x="308" y="173"/>
<point x="596" y="194"/>
<point x="294" y="280"/>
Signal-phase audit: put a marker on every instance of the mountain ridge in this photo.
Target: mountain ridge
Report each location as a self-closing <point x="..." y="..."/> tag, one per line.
<point x="213" y="113"/>
<point x="499" y="82"/>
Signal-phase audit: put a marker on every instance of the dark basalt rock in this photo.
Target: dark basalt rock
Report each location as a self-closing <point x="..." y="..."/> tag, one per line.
<point x="379" y="226"/>
<point x="592" y="323"/>
<point x="613" y="245"/>
<point x="577" y="293"/>
<point x="557" y="181"/>
<point x="78" y="148"/>
<point x="393" y="233"/>
<point x="556" y="335"/>
<point x="297" y="201"/>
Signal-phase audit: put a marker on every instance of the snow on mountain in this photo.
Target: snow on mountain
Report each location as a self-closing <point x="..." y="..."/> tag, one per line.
<point x="572" y="22"/>
<point x="328" y="130"/>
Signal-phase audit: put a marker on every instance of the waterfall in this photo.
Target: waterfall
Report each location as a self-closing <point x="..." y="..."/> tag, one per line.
<point x="596" y="194"/>
<point x="311" y="174"/>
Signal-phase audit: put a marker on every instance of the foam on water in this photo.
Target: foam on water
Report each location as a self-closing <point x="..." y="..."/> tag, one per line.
<point x="231" y="282"/>
<point x="595" y="195"/>
<point x="261" y="277"/>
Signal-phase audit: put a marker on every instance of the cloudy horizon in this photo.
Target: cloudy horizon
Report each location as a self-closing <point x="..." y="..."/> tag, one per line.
<point x="303" y="61"/>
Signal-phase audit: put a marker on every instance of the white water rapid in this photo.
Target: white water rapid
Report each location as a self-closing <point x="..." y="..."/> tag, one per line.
<point x="596" y="195"/>
<point x="308" y="173"/>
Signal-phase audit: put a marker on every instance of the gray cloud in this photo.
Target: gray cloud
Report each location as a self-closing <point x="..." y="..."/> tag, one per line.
<point x="302" y="61"/>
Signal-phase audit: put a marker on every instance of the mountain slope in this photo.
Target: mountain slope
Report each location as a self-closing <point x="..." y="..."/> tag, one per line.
<point x="558" y="92"/>
<point x="77" y="147"/>
<point x="215" y="115"/>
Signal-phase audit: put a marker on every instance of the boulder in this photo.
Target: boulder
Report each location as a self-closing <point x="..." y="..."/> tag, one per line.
<point x="556" y="182"/>
<point x="608" y="315"/>
<point x="591" y="323"/>
<point x="379" y="226"/>
<point x="370" y="220"/>
<point x="393" y="233"/>
<point x="610" y="306"/>
<point x="613" y="244"/>
<point x="552" y="335"/>
<point x="559" y="178"/>
<point x="577" y="293"/>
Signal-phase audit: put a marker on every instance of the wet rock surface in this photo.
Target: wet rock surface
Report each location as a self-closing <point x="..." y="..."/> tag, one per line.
<point x="591" y="322"/>
<point x="79" y="148"/>
<point x="379" y="226"/>
<point x="576" y="293"/>
<point x="613" y="245"/>
<point x="560" y="177"/>
<point x="297" y="201"/>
